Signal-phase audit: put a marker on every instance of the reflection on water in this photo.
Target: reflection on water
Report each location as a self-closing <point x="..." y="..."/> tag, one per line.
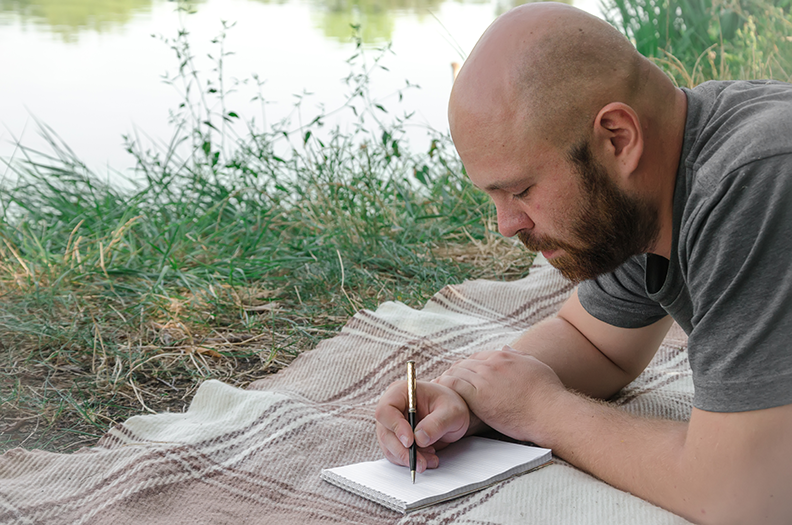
<point x="374" y="17"/>
<point x="69" y="18"/>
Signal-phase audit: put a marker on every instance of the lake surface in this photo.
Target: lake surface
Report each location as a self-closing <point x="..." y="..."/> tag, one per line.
<point x="92" y="70"/>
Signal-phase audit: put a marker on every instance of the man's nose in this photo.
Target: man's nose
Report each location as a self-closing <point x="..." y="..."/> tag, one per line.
<point x="512" y="219"/>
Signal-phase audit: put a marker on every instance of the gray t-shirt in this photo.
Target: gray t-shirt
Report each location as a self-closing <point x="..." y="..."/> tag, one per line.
<point x="728" y="282"/>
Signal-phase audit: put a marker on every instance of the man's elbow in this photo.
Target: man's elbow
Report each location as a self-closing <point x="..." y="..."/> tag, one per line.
<point x="745" y="505"/>
<point x="736" y="467"/>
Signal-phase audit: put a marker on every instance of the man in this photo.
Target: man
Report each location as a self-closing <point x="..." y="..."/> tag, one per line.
<point x="663" y="203"/>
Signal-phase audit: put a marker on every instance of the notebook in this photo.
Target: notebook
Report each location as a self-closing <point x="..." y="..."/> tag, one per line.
<point x="466" y="466"/>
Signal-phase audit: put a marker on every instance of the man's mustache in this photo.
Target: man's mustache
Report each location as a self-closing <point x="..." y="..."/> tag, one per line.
<point x="537" y="244"/>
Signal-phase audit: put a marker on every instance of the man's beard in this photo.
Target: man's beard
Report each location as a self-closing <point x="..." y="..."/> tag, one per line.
<point x="608" y="226"/>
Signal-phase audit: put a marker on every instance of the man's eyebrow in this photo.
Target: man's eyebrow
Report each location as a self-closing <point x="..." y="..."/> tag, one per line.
<point x="500" y="186"/>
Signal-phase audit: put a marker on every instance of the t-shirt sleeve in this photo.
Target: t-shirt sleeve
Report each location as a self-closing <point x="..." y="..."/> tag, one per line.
<point x="620" y="298"/>
<point x="739" y="274"/>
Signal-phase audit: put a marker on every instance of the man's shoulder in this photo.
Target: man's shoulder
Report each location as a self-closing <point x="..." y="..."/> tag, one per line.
<point x="736" y="123"/>
<point x="717" y="98"/>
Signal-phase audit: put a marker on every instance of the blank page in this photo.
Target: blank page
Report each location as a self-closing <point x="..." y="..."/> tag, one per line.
<point x="468" y="465"/>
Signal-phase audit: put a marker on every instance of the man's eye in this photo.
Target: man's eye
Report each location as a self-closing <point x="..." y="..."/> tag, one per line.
<point x="522" y="194"/>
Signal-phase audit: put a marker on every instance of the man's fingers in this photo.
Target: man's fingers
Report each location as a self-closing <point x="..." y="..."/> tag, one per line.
<point x="479" y="356"/>
<point x="391" y="446"/>
<point x="398" y="454"/>
<point x="460" y="379"/>
<point x="445" y="422"/>
<point x="394" y="433"/>
<point x="443" y="416"/>
<point x="390" y="412"/>
<point x="391" y="418"/>
<point x="430" y="459"/>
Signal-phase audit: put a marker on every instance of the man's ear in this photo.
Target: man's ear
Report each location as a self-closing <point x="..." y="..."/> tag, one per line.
<point x="618" y="135"/>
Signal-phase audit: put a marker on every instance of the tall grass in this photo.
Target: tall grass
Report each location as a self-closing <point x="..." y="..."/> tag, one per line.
<point x="699" y="40"/>
<point x="238" y="248"/>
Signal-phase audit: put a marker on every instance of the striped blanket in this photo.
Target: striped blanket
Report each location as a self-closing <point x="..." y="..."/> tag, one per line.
<point x="254" y="456"/>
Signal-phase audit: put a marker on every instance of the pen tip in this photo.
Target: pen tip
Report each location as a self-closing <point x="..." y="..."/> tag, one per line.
<point x="413" y="475"/>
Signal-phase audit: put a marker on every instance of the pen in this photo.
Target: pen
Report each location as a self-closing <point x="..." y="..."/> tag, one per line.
<point x="411" y="387"/>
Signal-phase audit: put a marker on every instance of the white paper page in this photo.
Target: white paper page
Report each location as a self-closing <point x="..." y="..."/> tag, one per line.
<point x="471" y="461"/>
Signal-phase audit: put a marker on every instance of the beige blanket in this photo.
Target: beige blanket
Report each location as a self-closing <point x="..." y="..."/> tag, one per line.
<point x="254" y="456"/>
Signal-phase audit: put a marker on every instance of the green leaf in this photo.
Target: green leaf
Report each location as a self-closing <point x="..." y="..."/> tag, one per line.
<point x="422" y="174"/>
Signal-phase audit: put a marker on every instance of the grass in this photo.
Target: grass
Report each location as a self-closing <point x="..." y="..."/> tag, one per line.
<point x="235" y="252"/>
<point x="700" y="40"/>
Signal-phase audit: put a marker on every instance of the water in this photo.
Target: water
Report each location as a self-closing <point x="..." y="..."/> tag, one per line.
<point x="92" y="71"/>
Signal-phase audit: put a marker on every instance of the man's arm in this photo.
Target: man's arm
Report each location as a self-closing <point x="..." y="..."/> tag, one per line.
<point x="566" y="343"/>
<point x="591" y="356"/>
<point x="718" y="468"/>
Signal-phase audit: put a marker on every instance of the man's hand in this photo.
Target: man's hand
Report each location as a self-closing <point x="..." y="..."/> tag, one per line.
<point x="443" y="418"/>
<point x="503" y="388"/>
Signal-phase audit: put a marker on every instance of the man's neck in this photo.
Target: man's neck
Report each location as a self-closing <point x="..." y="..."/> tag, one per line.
<point x="669" y="152"/>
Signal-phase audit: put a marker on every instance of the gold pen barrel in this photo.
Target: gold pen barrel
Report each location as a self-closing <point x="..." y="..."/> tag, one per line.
<point x="411" y="386"/>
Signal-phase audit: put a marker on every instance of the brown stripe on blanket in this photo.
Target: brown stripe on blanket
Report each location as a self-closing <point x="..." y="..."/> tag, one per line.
<point x="525" y="312"/>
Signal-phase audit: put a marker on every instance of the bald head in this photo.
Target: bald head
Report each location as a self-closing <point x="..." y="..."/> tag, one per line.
<point x="547" y="69"/>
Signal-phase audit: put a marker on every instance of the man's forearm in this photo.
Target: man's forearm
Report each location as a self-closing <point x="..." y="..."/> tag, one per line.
<point x="576" y="361"/>
<point x="638" y="455"/>
<point x="589" y="355"/>
<point x="699" y="474"/>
